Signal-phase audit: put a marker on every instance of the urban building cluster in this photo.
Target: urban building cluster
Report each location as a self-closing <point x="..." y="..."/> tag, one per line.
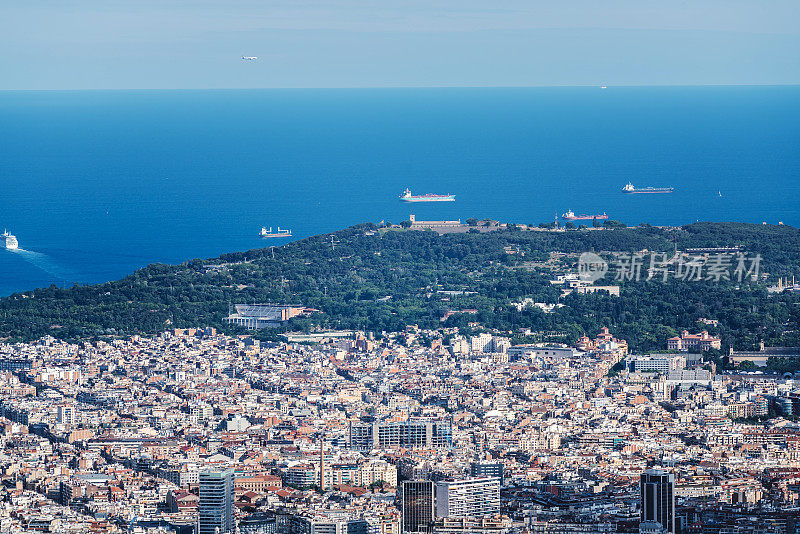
<point x="416" y="432"/>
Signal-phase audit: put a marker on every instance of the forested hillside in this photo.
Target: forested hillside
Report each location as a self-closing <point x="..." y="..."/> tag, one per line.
<point x="376" y="279"/>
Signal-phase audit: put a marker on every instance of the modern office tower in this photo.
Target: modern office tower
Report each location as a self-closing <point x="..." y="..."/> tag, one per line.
<point x="414" y="433"/>
<point x="215" y="514"/>
<point x="487" y="469"/>
<point x="361" y="436"/>
<point x="417" y="505"/>
<point x="471" y="497"/>
<point x="657" y="489"/>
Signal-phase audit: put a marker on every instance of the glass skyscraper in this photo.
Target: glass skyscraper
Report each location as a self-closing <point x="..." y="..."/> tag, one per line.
<point x="657" y="489"/>
<point x="417" y="503"/>
<point x="216" y="502"/>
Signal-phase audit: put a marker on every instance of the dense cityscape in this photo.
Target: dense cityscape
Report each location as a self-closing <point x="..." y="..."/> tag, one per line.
<point x="399" y="267"/>
<point x="355" y="433"/>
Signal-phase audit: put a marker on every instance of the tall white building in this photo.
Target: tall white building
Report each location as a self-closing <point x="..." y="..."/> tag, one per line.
<point x="200" y="412"/>
<point x="66" y="414"/>
<point x="478" y="343"/>
<point x="658" y="364"/>
<point x="373" y="471"/>
<point x="471" y="497"/>
<point x="500" y="344"/>
<point x="215" y="513"/>
<point x="459" y="345"/>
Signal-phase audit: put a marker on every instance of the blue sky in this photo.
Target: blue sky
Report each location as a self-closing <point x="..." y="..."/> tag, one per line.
<point x="139" y="44"/>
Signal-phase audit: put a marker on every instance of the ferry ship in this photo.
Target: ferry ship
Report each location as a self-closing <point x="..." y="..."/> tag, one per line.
<point x="430" y="197"/>
<point x="570" y="216"/>
<point x="630" y="189"/>
<point x="10" y="241"/>
<point x="269" y="233"/>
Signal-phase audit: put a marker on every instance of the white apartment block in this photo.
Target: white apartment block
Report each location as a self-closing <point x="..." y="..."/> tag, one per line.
<point x="471" y="497"/>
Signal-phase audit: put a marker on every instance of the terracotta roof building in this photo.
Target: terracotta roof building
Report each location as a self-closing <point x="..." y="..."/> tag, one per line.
<point x="687" y="341"/>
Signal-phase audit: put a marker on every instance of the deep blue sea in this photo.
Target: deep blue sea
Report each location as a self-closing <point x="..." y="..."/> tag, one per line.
<point x="98" y="183"/>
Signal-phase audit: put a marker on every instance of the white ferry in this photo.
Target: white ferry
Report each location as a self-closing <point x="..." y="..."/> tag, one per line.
<point x="10" y="241"/>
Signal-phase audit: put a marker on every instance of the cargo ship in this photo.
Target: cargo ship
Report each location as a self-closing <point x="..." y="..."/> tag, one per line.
<point x="269" y="233"/>
<point x="430" y="197"/>
<point x="570" y="216"/>
<point x="10" y="241"/>
<point x="630" y="189"/>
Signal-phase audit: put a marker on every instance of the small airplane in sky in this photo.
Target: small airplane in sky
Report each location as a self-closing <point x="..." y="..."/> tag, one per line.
<point x="249" y="58"/>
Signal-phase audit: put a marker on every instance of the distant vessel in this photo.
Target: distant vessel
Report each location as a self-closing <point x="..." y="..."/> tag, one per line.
<point x="630" y="189"/>
<point x="249" y="58"/>
<point x="430" y="197"/>
<point x="269" y="233"/>
<point x="11" y="241"/>
<point x="570" y="216"/>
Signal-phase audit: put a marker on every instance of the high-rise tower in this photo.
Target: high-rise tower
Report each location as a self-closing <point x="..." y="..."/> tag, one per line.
<point x="215" y="513"/>
<point x="657" y="488"/>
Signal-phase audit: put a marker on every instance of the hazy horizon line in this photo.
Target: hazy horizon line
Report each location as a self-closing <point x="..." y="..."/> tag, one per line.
<point x="394" y="87"/>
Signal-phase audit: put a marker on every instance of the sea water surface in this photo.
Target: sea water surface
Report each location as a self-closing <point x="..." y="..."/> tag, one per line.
<point x="98" y="183"/>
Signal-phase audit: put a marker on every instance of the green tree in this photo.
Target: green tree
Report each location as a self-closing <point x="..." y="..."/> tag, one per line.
<point x="747" y="365"/>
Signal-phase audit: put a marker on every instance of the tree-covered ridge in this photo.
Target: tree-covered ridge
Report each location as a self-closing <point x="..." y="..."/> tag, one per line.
<point x="363" y="277"/>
